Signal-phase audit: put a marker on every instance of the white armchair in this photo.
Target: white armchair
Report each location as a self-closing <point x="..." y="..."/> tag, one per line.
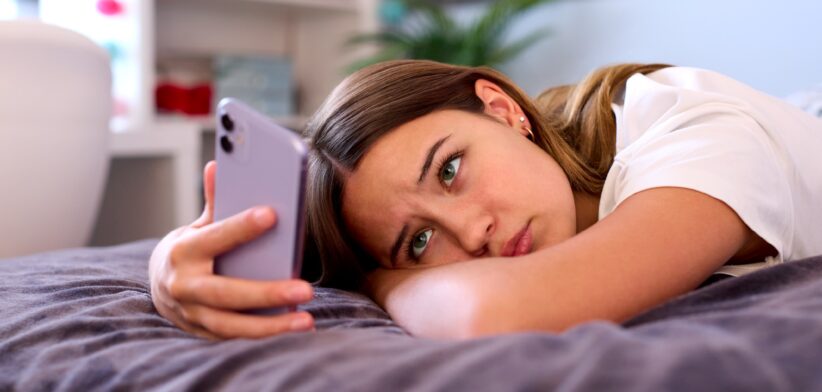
<point x="55" y="105"/>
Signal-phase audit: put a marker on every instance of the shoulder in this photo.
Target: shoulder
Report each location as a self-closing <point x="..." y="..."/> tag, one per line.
<point x="697" y="129"/>
<point x="693" y="82"/>
<point x="692" y="78"/>
<point x="662" y="101"/>
<point x="681" y="89"/>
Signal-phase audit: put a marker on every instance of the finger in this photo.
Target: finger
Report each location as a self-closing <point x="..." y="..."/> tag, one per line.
<point x="209" y="174"/>
<point x="208" y="191"/>
<point x="233" y="293"/>
<point x="174" y="314"/>
<point x="222" y="236"/>
<point x="228" y="324"/>
<point x="195" y="329"/>
<point x="202" y="333"/>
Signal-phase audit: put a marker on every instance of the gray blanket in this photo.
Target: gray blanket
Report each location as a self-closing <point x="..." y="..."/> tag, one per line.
<point x="83" y="320"/>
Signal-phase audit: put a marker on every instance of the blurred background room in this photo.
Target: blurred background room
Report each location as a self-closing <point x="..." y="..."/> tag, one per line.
<point x="166" y="64"/>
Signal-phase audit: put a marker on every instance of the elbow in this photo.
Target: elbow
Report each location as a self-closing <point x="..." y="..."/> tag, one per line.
<point x="481" y="316"/>
<point x="441" y="309"/>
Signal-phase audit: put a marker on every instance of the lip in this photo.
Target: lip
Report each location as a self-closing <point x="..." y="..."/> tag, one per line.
<point x="519" y="244"/>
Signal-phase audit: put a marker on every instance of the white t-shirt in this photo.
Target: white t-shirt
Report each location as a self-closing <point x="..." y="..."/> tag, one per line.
<point x="697" y="129"/>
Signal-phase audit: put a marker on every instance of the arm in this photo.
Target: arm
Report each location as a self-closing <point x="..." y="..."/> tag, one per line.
<point x="646" y="252"/>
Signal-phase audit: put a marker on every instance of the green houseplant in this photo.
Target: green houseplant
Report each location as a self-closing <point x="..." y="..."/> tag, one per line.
<point x="433" y="34"/>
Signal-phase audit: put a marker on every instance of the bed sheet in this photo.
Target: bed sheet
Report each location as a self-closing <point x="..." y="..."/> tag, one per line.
<point x="82" y="320"/>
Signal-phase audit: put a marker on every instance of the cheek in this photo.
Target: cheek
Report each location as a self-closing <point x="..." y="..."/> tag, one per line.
<point x="444" y="251"/>
<point x="541" y="188"/>
<point x="523" y="182"/>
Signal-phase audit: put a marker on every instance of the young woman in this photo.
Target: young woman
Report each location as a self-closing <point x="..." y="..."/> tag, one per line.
<point x="464" y="208"/>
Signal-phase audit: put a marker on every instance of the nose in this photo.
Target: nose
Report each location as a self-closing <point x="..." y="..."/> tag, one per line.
<point x="471" y="227"/>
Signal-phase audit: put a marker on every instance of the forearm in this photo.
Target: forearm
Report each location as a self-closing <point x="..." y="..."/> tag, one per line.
<point x="481" y="297"/>
<point x="640" y="256"/>
<point x="542" y="292"/>
<point x="536" y="292"/>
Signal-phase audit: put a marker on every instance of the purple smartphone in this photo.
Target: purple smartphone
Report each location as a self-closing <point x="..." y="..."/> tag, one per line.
<point x="260" y="163"/>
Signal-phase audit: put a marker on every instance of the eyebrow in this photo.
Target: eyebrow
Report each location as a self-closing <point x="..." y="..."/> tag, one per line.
<point x="429" y="158"/>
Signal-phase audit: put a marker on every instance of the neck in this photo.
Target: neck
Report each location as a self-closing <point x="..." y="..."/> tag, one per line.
<point x="587" y="207"/>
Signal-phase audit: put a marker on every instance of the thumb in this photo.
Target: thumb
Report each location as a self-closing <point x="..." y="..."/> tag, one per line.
<point x="208" y="190"/>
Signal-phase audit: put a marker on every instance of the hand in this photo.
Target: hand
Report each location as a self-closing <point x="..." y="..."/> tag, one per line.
<point x="185" y="290"/>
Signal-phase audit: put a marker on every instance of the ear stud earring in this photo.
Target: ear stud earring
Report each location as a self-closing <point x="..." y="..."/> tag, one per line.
<point x="530" y="133"/>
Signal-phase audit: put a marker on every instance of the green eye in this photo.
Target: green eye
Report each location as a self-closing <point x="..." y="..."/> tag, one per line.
<point x="449" y="171"/>
<point x="420" y="242"/>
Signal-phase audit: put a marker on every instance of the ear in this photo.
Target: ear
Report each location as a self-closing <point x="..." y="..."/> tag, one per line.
<point x="499" y="105"/>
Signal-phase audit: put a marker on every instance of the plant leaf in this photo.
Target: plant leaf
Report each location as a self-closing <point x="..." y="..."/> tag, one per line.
<point x="432" y="34"/>
<point x="485" y="36"/>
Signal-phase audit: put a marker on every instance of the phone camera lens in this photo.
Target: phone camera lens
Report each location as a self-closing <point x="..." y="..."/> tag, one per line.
<point x="228" y="125"/>
<point x="226" y="144"/>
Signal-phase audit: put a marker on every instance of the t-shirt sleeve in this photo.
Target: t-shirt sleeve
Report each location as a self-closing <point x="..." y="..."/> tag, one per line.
<point x="721" y="151"/>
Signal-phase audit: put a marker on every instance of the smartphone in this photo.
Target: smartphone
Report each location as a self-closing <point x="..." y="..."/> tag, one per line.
<point x="260" y="163"/>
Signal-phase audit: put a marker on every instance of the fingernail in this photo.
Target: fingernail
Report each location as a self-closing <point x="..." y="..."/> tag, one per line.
<point x="263" y="216"/>
<point x="302" y="322"/>
<point x="299" y="293"/>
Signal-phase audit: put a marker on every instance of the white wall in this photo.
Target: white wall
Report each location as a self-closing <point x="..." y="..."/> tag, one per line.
<point x="775" y="46"/>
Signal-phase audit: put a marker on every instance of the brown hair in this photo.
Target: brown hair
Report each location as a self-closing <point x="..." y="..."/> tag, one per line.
<point x="574" y="124"/>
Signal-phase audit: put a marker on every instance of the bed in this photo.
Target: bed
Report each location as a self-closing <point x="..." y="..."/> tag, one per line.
<point x="82" y="320"/>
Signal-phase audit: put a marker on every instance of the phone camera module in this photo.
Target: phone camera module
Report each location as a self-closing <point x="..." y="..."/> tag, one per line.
<point x="228" y="124"/>
<point x="226" y="144"/>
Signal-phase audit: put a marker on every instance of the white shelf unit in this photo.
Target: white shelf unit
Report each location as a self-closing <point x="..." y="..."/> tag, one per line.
<point x="153" y="183"/>
<point x="309" y="32"/>
<point x="155" y="177"/>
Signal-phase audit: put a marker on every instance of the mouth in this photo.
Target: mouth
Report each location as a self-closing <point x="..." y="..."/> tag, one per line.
<point x="519" y="244"/>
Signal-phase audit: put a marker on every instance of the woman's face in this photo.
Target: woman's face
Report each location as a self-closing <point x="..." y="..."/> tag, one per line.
<point x="453" y="186"/>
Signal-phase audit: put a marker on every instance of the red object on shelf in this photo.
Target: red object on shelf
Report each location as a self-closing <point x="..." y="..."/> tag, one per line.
<point x="195" y="100"/>
<point x="109" y="7"/>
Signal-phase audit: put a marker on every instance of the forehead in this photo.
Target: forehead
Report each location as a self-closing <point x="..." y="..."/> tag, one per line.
<point x="383" y="190"/>
<point x="394" y="161"/>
